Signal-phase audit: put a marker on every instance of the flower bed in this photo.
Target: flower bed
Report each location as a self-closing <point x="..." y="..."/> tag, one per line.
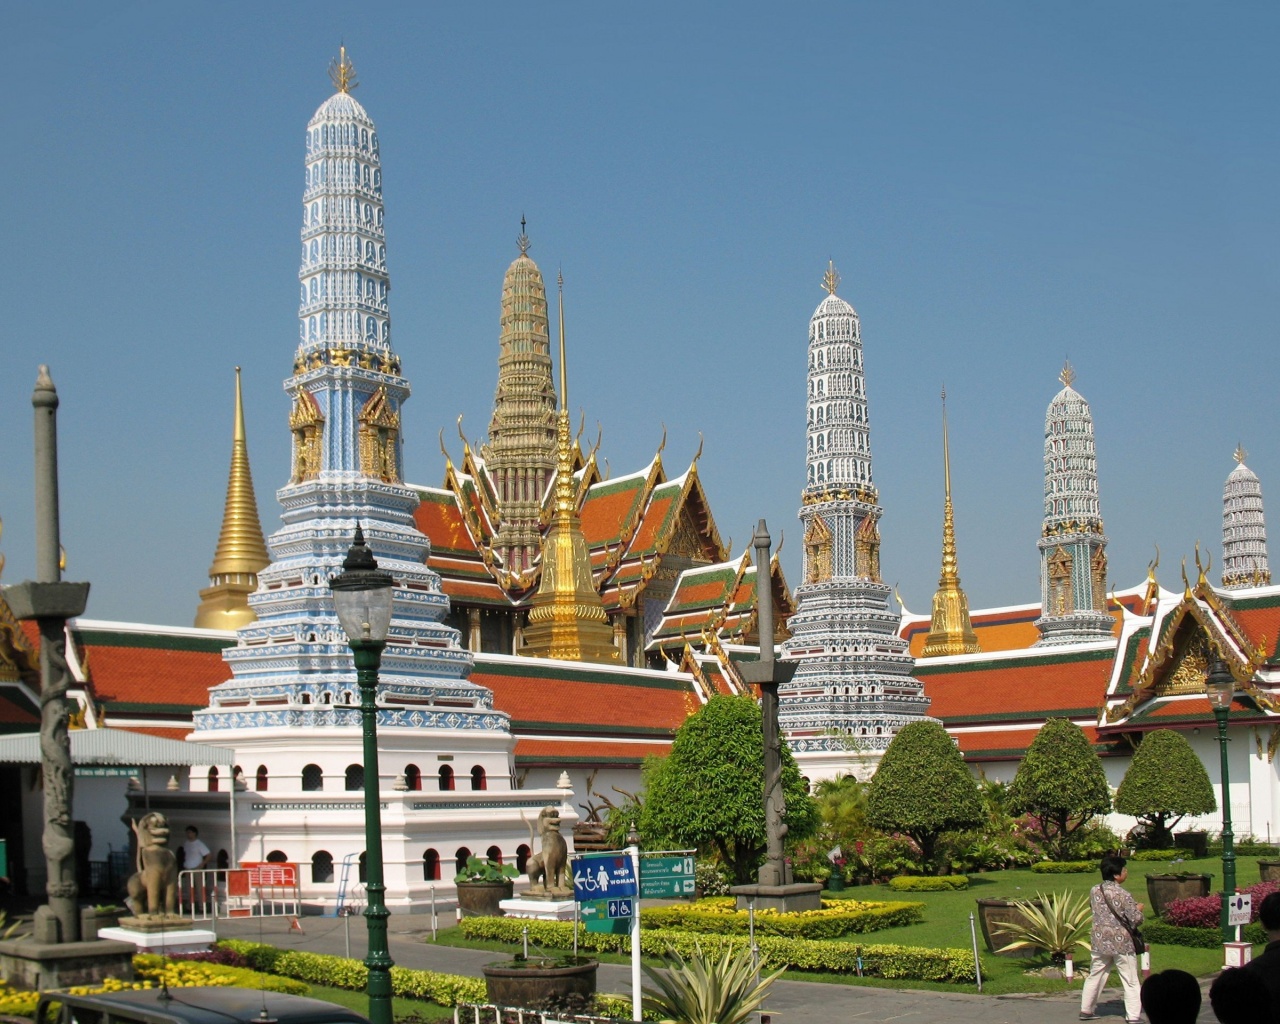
<point x="720" y="916"/>
<point x="1064" y="867"/>
<point x="1206" y="911"/>
<point x="916" y="963"/>
<point x="928" y="883"/>
<point x="339" y="972"/>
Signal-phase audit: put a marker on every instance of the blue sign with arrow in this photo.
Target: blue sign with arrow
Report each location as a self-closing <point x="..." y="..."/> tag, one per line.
<point x="601" y="877"/>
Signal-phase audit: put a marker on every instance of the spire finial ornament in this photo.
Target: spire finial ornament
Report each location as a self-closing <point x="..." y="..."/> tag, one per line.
<point x="523" y="240"/>
<point x="831" y="279"/>
<point x="1068" y="375"/>
<point x="342" y="73"/>
<point x="1240" y="454"/>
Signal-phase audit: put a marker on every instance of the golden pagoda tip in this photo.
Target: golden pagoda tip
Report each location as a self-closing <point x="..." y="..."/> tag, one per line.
<point x="523" y="239"/>
<point x="831" y="279"/>
<point x="1068" y="374"/>
<point x="1240" y="454"/>
<point x="342" y="73"/>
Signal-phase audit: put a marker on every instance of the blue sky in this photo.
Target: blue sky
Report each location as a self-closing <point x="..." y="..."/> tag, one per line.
<point x="1000" y="186"/>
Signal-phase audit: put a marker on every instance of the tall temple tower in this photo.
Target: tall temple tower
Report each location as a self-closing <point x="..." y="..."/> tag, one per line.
<point x="1073" y="560"/>
<point x="951" y="629"/>
<point x="521" y="450"/>
<point x="241" y="551"/>
<point x="1244" y="529"/>
<point x="853" y="688"/>
<point x="292" y="702"/>
<point x="567" y="620"/>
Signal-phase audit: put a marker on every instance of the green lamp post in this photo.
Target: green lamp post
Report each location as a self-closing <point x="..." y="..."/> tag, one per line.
<point x="362" y="597"/>
<point x="1220" y="686"/>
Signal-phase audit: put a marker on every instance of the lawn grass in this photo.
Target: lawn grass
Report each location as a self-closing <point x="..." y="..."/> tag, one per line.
<point x="946" y="924"/>
<point x="401" y="1009"/>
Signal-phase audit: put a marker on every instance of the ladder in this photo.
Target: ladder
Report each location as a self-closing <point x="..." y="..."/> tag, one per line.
<point x="347" y="861"/>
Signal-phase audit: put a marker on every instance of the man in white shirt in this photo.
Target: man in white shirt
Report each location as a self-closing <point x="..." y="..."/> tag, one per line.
<point x="195" y="855"/>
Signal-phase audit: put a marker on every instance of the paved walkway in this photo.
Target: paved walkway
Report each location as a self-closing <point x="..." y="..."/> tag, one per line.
<point x="791" y="1002"/>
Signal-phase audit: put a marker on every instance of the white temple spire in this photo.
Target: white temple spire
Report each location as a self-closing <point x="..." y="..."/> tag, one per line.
<point x="1244" y="529"/>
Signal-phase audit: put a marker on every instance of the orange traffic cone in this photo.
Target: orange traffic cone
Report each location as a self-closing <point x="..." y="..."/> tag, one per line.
<point x="296" y="926"/>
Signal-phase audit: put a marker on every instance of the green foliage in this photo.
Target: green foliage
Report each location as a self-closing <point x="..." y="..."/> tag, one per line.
<point x="1055" y="923"/>
<point x="1064" y="867"/>
<point x="881" y="961"/>
<point x="1165" y="780"/>
<point x="1158" y="854"/>
<point x="709" y="791"/>
<point x="1158" y="932"/>
<point x="478" y="870"/>
<point x="1061" y="783"/>
<point x="836" y="918"/>
<point x="710" y="879"/>
<point x="928" y="883"/>
<point x="339" y="972"/>
<point x="704" y="990"/>
<point x="923" y="788"/>
<point x="187" y="973"/>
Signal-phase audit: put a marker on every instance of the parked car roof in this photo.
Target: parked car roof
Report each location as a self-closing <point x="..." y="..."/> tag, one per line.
<point x="199" y="1005"/>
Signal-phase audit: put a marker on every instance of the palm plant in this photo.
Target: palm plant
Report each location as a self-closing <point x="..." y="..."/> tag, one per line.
<point x="706" y="990"/>
<point x="1055" y="922"/>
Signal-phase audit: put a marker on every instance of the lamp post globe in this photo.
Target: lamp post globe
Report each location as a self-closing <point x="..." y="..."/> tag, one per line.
<point x="1220" y="688"/>
<point x="363" y="596"/>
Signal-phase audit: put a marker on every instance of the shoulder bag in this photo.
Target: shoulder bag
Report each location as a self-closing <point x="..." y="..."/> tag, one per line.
<point x="1135" y="933"/>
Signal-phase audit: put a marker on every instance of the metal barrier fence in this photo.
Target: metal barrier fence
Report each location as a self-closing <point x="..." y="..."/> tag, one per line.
<point x="488" y="1013"/>
<point x="252" y="890"/>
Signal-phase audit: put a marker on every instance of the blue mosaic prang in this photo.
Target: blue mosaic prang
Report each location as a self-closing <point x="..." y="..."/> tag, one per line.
<point x="292" y="667"/>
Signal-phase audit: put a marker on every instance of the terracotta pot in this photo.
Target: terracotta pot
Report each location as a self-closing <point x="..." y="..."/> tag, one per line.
<point x="1196" y="842"/>
<point x="1269" y="870"/>
<point x="994" y="916"/>
<point x="480" y="899"/>
<point x="540" y="984"/>
<point x="1164" y="889"/>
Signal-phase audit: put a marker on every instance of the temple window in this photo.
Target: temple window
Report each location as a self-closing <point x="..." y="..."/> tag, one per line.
<point x="354" y="777"/>
<point x="522" y="858"/>
<point x="277" y="857"/>
<point x="321" y="866"/>
<point x="413" y="777"/>
<point x="431" y="865"/>
<point x="312" y="779"/>
<point x="478" y="779"/>
<point x="446" y="778"/>
<point x="260" y="783"/>
<point x="213" y="779"/>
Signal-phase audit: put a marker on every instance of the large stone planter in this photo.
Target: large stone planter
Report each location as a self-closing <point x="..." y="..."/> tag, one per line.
<point x="1269" y="870"/>
<point x="1164" y="889"/>
<point x="94" y="918"/>
<point x="994" y="917"/>
<point x="542" y="983"/>
<point x="1195" y="842"/>
<point x="481" y="899"/>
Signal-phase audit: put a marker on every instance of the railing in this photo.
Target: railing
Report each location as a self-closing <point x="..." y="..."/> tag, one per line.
<point x="488" y="1013"/>
<point x="254" y="890"/>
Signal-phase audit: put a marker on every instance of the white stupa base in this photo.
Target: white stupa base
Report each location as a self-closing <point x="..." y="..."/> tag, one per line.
<point x="186" y="940"/>
<point x="538" y="910"/>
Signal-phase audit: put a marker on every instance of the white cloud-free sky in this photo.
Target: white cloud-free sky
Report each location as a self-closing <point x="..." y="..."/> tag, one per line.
<point x="1001" y="185"/>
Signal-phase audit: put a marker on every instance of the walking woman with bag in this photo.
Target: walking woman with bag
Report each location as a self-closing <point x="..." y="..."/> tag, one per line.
<point x="1113" y="942"/>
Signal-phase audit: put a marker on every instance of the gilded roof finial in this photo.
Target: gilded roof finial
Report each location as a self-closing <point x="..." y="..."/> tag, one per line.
<point x="523" y="240"/>
<point x="1068" y="375"/>
<point x="831" y="279"/>
<point x="342" y="73"/>
<point x="1240" y="454"/>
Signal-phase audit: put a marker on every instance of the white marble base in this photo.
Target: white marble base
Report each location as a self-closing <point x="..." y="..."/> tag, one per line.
<point x="538" y="910"/>
<point x="171" y="940"/>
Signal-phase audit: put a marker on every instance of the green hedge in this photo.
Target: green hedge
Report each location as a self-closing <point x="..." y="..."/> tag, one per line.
<point x="915" y="963"/>
<point x="323" y="969"/>
<point x="1159" y="933"/>
<point x="1161" y="854"/>
<point x="1064" y="867"/>
<point x="836" y="918"/>
<point x="928" y="883"/>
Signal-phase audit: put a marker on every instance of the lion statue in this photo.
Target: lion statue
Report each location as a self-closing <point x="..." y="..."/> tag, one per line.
<point x="153" y="889"/>
<point x="548" y="869"/>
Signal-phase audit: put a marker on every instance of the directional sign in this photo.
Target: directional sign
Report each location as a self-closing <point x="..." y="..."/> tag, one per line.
<point x="603" y="916"/>
<point x="602" y="877"/>
<point x="663" y="877"/>
<point x="1240" y="909"/>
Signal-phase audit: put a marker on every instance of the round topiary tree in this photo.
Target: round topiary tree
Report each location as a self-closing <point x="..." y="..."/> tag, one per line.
<point x="923" y="788"/>
<point x="1061" y="782"/>
<point x="1165" y="780"/>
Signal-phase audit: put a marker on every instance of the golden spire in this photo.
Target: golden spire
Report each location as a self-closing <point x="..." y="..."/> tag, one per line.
<point x="342" y="73"/>
<point x="567" y="619"/>
<point x="523" y="240"/>
<point x="951" y="630"/>
<point x="241" y="551"/>
<point x="1068" y="375"/>
<point x="1240" y="454"/>
<point x="831" y="279"/>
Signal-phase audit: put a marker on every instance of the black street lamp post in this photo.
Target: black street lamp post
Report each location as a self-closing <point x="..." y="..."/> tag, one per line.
<point x="1220" y="686"/>
<point x="362" y="596"/>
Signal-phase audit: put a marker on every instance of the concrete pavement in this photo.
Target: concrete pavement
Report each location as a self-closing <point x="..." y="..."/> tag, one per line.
<point x="791" y="1002"/>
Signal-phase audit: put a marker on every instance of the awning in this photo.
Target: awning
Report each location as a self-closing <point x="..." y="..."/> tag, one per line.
<point x="116" y="746"/>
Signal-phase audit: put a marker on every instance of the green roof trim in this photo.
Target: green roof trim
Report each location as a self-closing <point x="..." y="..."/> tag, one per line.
<point x="153" y="641"/>
<point x="531" y="668"/>
<point x="924" y="668"/>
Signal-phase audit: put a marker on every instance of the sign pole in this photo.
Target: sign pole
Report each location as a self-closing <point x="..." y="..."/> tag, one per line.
<point x="633" y="851"/>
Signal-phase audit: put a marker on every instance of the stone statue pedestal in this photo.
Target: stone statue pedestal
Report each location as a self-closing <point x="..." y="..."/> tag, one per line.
<point x="538" y="909"/>
<point x="782" y="898"/>
<point x="44" y="965"/>
<point x="182" y="939"/>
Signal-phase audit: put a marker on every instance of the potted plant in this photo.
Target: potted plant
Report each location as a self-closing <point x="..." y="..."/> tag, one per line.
<point x="482" y="885"/>
<point x="999" y="919"/>
<point x="1164" y="889"/>
<point x="565" y="983"/>
<point x="1053" y="923"/>
<point x="835" y="883"/>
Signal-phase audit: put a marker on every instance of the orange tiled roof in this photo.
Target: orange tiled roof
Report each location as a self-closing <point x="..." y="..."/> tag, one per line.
<point x="130" y="671"/>
<point x="552" y="753"/>
<point x="1006" y="744"/>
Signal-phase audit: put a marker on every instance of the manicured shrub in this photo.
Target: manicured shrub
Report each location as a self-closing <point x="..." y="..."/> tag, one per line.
<point x="1064" y="867"/>
<point x="923" y="788"/>
<point x="928" y="883"/>
<point x="881" y="961"/>
<point x="1160" y="933"/>
<point x="1149" y="855"/>
<point x="1206" y="911"/>
<point x="836" y="918"/>
<point x="1165" y="781"/>
<point x="1061" y="782"/>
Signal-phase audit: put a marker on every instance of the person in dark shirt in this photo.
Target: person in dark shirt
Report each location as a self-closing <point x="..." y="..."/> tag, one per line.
<point x="1239" y="997"/>
<point x="1267" y="965"/>
<point x="1171" y="997"/>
